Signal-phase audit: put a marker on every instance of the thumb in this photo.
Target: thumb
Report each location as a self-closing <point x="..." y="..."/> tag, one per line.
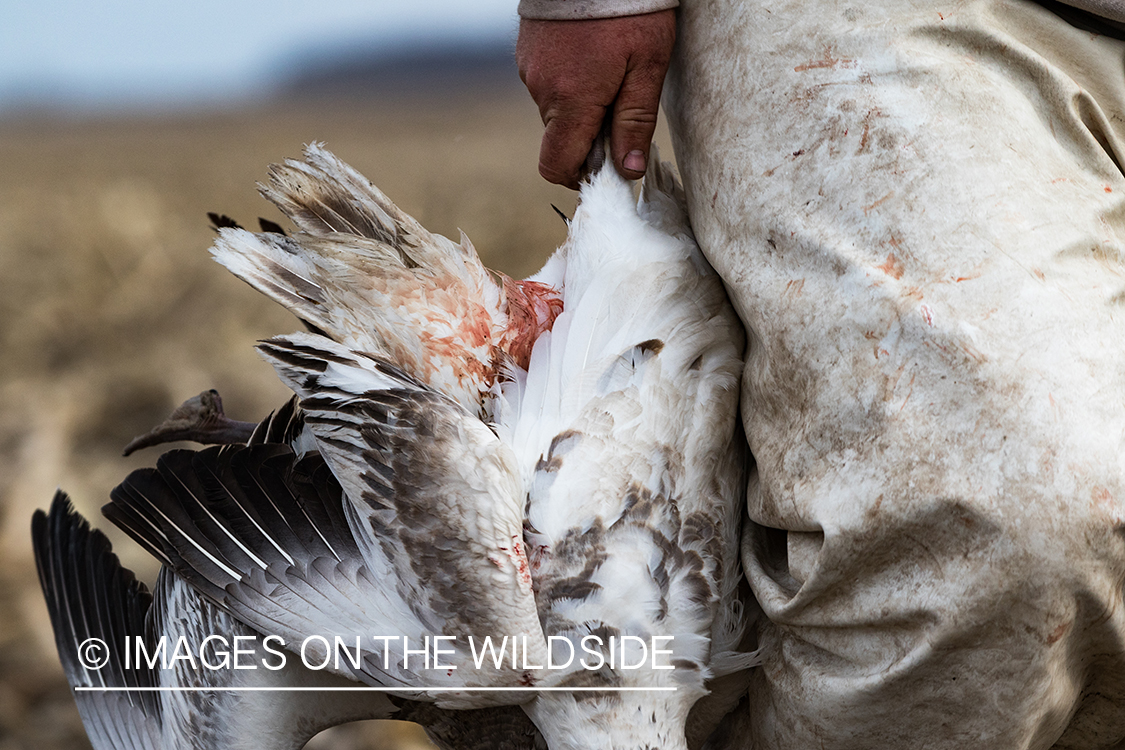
<point x="638" y="99"/>
<point x="634" y="121"/>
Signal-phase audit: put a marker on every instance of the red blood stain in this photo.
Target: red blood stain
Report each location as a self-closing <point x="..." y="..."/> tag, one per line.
<point x="892" y="266"/>
<point x="1057" y="633"/>
<point x="828" y="61"/>
<point x="532" y="309"/>
<point x="518" y="556"/>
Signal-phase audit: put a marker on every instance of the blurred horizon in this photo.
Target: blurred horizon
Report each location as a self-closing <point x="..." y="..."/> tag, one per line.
<point x="70" y="59"/>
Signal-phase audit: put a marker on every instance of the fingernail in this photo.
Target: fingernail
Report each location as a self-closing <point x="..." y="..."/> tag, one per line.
<point x="634" y="161"/>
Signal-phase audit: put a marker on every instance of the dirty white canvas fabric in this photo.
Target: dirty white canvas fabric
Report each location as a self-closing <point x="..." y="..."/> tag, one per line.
<point x="919" y="210"/>
<point x="569" y="10"/>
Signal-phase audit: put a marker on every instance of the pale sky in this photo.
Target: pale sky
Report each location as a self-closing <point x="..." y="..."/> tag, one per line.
<point x="90" y="53"/>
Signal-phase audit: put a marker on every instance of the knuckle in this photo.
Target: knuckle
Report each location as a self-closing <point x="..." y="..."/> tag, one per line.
<point x="635" y="116"/>
<point x="552" y="174"/>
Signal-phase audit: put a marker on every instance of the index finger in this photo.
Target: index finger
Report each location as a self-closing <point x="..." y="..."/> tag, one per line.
<point x="567" y="141"/>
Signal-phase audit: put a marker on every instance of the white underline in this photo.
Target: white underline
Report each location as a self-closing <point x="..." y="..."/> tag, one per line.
<point x="194" y="689"/>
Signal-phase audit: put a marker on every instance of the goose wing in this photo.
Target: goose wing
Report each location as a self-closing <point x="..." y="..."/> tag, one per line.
<point x="260" y="696"/>
<point x="407" y="523"/>
<point x="367" y="275"/>
<point x="159" y="642"/>
<point x="435" y="498"/>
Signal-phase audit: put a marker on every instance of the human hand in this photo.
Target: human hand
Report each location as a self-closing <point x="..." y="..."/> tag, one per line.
<point x="579" y="71"/>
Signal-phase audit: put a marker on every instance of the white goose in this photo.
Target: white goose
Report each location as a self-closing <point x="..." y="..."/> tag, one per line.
<point x="625" y="428"/>
<point x="614" y="438"/>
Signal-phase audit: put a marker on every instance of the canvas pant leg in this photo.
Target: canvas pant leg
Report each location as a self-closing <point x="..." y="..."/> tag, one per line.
<point x="919" y="210"/>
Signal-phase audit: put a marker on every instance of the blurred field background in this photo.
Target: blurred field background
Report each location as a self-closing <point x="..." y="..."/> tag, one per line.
<point x="113" y="313"/>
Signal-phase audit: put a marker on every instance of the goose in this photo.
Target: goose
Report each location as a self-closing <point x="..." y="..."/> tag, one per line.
<point x="566" y="448"/>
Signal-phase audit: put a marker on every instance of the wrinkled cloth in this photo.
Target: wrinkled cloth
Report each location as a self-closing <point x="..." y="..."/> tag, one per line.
<point x="1112" y="9"/>
<point x="584" y="10"/>
<point x="919" y="211"/>
<point x="577" y="10"/>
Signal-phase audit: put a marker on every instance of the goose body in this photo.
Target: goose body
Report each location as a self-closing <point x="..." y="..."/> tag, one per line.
<point x="626" y="430"/>
<point x="549" y="459"/>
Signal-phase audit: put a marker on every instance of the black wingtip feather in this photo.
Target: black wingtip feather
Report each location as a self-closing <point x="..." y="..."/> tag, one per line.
<point x="222" y="221"/>
<point x="216" y="515"/>
<point x="90" y="595"/>
<point x="282" y="426"/>
<point x="559" y="211"/>
<point x="271" y="227"/>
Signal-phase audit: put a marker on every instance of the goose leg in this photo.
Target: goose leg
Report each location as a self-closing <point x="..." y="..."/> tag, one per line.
<point x="200" y="419"/>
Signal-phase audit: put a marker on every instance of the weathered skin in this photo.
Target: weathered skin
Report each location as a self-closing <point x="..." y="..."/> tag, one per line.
<point x="583" y="72"/>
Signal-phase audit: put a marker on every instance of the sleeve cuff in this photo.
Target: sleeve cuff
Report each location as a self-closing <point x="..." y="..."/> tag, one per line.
<point x="583" y="10"/>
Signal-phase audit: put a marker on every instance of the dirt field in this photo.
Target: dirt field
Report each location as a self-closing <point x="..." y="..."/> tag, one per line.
<point x="113" y="312"/>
